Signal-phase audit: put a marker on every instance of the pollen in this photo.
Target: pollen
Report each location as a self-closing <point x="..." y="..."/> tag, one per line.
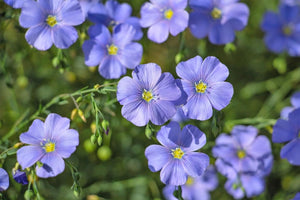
<point x="112" y="49"/>
<point x="168" y="14"/>
<point x="177" y="153"/>
<point x="200" y="87"/>
<point x="49" y="147"/>
<point x="51" y="20"/>
<point x="147" y="95"/>
<point x="287" y="30"/>
<point x="216" y="13"/>
<point x="241" y="154"/>
<point x="189" y="181"/>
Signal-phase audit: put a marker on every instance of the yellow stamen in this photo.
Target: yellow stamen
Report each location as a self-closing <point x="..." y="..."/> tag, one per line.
<point x="287" y="30"/>
<point x="177" y="153"/>
<point x="241" y="154"/>
<point x="189" y="181"/>
<point x="200" y="87"/>
<point x="112" y="49"/>
<point x="51" y="20"/>
<point x="216" y="13"/>
<point x="168" y="14"/>
<point x="49" y="147"/>
<point x="147" y="95"/>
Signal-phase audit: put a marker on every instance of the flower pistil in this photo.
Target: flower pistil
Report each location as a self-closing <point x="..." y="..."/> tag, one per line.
<point x="216" y="13"/>
<point x="168" y="14"/>
<point x="200" y="87"/>
<point x="51" y="20"/>
<point x="177" y="153"/>
<point x="147" y="95"/>
<point x="112" y="49"/>
<point x="49" y="147"/>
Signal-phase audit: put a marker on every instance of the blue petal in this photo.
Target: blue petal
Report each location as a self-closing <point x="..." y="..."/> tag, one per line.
<point x="122" y="12"/>
<point x="28" y="155"/>
<point x="294" y="118"/>
<point x="39" y="37"/>
<point x="226" y="169"/>
<point x="128" y="91"/>
<point x="204" y="4"/>
<point x="4" y="180"/>
<point x="123" y="35"/>
<point x="51" y="6"/>
<point x="136" y="112"/>
<point x="93" y="52"/>
<point x="111" y="68"/>
<point x="289" y="14"/>
<point x="276" y="42"/>
<point x="179" y="22"/>
<point x="291" y="152"/>
<point x="183" y="98"/>
<point x="253" y="185"/>
<point x="168" y="191"/>
<point x="66" y="143"/>
<point x="135" y="22"/>
<point x="161" y="111"/>
<point x="236" y="14"/>
<point x="71" y="13"/>
<point x="150" y="15"/>
<point x="158" y="156"/>
<point x="167" y="88"/>
<point x="99" y="15"/>
<point x="35" y="133"/>
<point x="283" y="132"/>
<point x="271" y="22"/>
<point x="131" y="55"/>
<point x="212" y="70"/>
<point x="191" y="138"/>
<point x="260" y="147"/>
<point x="221" y="33"/>
<point x="195" y="163"/>
<point x="199" y="24"/>
<point x="220" y="94"/>
<point x="179" y="4"/>
<point x="237" y="193"/>
<point x="100" y="34"/>
<point x="295" y="100"/>
<point x="31" y="14"/>
<point x="159" y="32"/>
<point x="168" y="135"/>
<point x="284" y="114"/>
<point x="53" y="165"/>
<point x="147" y="75"/>
<point x="55" y="125"/>
<point x="190" y="70"/>
<point x="173" y="173"/>
<point x="160" y="3"/>
<point x="245" y="135"/>
<point x="64" y="36"/>
<point x="199" y="107"/>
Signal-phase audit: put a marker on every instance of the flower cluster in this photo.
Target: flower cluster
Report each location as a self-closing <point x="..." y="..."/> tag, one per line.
<point x="176" y="157"/>
<point x="282" y="32"/>
<point x="245" y="159"/>
<point x="49" y="142"/>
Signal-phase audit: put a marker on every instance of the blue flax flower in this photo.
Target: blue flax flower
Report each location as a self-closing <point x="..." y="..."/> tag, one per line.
<point x="4" y="180"/>
<point x="164" y="17"/>
<point x="49" y="142"/>
<point x="51" y="22"/>
<point x="295" y="100"/>
<point x="176" y="157"/>
<point x="289" y="131"/>
<point x="20" y="177"/>
<point x="195" y="188"/>
<point x="113" y="14"/>
<point x="113" y="53"/>
<point x="15" y="3"/>
<point x="297" y="197"/>
<point x="203" y="82"/>
<point x="217" y="19"/>
<point x="244" y="158"/>
<point x="148" y="95"/>
<point x="87" y="5"/>
<point x="283" y="30"/>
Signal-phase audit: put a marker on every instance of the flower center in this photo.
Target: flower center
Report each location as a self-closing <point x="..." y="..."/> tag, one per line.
<point x="51" y="20"/>
<point x="49" y="147"/>
<point x="112" y="49"/>
<point x="200" y="87"/>
<point x="168" y="14"/>
<point x="287" y="30"/>
<point x="216" y="13"/>
<point x="241" y="154"/>
<point x="177" y="153"/>
<point x="147" y="95"/>
<point x="189" y="181"/>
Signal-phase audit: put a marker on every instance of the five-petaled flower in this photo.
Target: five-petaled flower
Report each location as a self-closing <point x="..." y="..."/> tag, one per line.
<point x="176" y="157"/>
<point x="49" y="142"/>
<point x="51" y="22"/>
<point x="203" y="82"/>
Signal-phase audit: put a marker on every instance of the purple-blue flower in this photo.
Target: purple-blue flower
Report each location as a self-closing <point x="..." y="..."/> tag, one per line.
<point x="15" y="3"/>
<point x="245" y="159"/>
<point x="113" y="53"/>
<point x="282" y="31"/>
<point x="49" y="142"/>
<point x="289" y="131"/>
<point x="4" y="180"/>
<point x="297" y="197"/>
<point x="176" y="157"/>
<point x="195" y="188"/>
<point x="20" y="177"/>
<point x="51" y="22"/>
<point x="86" y="5"/>
<point x="114" y="13"/>
<point x="164" y="17"/>
<point x="217" y="19"/>
<point x="204" y="83"/>
<point x="295" y="101"/>
<point x="149" y="95"/>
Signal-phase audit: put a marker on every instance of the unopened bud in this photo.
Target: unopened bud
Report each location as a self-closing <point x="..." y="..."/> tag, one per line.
<point x="73" y="113"/>
<point x="81" y="115"/>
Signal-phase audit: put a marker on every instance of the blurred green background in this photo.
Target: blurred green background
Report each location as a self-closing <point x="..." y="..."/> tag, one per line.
<point x="263" y="83"/>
